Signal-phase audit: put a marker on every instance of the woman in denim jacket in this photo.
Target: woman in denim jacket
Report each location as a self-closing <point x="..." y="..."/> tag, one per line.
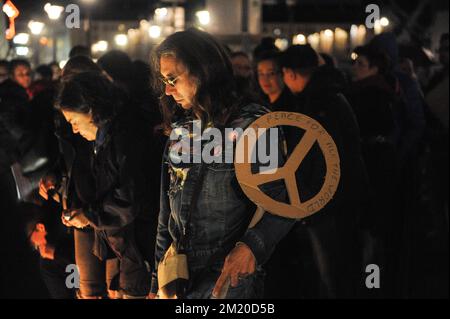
<point x="199" y="89"/>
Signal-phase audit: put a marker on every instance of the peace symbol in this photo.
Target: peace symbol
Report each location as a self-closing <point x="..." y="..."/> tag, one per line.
<point x="314" y="132"/>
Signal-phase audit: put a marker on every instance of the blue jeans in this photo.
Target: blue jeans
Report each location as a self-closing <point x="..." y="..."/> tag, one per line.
<point x="250" y="287"/>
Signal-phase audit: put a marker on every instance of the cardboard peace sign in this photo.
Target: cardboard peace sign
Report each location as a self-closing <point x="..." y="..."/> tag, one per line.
<point x="314" y="132"/>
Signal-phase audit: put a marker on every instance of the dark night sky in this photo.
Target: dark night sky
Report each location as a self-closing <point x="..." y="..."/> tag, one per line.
<point x="331" y="11"/>
<point x="105" y="9"/>
<point x="306" y="10"/>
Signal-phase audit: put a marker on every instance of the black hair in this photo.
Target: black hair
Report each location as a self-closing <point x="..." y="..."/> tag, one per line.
<point x="206" y="61"/>
<point x="238" y="54"/>
<point x="79" y="50"/>
<point x="89" y="92"/>
<point x="267" y="44"/>
<point x="375" y="57"/>
<point x="79" y="64"/>
<point x="142" y="79"/>
<point x="328" y="59"/>
<point x="54" y="63"/>
<point x="16" y="63"/>
<point x="300" y="58"/>
<point x="119" y="67"/>
<point x="45" y="72"/>
<point x="271" y="55"/>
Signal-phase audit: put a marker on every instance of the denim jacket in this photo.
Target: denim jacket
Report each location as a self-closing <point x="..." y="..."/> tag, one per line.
<point x="222" y="213"/>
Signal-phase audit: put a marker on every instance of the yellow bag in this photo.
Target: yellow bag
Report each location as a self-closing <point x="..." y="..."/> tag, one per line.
<point x="173" y="271"/>
<point x="173" y="274"/>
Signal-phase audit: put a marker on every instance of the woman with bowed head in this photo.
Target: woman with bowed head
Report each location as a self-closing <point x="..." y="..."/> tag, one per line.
<point x="122" y="173"/>
<point x="203" y="211"/>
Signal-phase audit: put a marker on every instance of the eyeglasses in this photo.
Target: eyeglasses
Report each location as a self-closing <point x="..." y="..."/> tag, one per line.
<point x="169" y="81"/>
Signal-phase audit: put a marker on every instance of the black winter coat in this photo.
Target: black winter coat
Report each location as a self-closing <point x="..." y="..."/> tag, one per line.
<point x="323" y="101"/>
<point x="284" y="102"/>
<point x="372" y="100"/>
<point x="126" y="170"/>
<point x="15" y="113"/>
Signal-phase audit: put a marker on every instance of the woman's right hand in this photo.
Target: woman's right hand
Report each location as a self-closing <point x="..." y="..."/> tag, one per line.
<point x="75" y="219"/>
<point x="152" y="296"/>
<point x="46" y="184"/>
<point x="47" y="251"/>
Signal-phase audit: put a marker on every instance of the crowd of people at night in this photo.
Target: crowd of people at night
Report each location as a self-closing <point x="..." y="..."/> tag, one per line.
<point x="89" y="176"/>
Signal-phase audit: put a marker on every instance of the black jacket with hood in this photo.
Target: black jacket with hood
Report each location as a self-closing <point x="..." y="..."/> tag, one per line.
<point x="323" y="101"/>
